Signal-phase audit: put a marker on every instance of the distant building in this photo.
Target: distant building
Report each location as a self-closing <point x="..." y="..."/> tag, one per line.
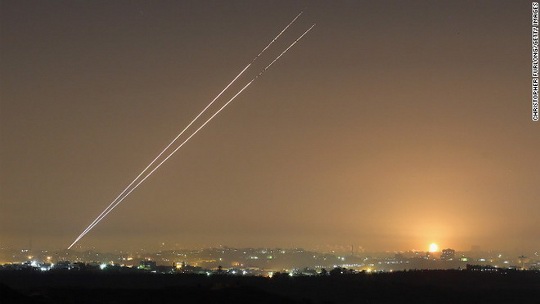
<point x="448" y="254"/>
<point x="147" y="265"/>
<point x="165" y="269"/>
<point x="63" y="265"/>
<point x="482" y="268"/>
<point x="185" y="268"/>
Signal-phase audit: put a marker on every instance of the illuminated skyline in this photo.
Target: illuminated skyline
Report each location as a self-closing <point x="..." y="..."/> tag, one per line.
<point x="394" y="126"/>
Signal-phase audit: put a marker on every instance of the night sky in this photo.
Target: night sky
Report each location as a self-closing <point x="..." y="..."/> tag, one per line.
<point x="391" y="125"/>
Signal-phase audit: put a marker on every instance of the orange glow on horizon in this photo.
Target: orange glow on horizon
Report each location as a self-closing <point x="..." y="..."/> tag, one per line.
<point x="433" y="247"/>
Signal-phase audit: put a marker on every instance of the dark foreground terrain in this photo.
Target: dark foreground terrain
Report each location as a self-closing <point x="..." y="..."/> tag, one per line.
<point x="399" y="287"/>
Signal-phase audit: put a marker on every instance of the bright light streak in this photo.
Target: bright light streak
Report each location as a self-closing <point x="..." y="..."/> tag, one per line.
<point x="118" y="201"/>
<point x="165" y="149"/>
<point x="283" y="31"/>
<point x="282" y="53"/>
<point x="103" y="213"/>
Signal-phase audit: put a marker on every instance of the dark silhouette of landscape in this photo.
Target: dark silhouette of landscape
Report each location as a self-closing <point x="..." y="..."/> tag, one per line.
<point x="422" y="286"/>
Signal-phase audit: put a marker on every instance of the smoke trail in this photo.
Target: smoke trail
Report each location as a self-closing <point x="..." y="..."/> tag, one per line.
<point x="114" y="204"/>
<point x="184" y="130"/>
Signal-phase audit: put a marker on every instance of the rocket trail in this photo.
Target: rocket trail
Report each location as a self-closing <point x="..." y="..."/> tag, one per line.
<point x="106" y="212"/>
<point x="114" y="204"/>
<point x="285" y="51"/>
<point x="184" y="130"/>
<point x="165" y="149"/>
<point x="283" y="31"/>
<point x="207" y="121"/>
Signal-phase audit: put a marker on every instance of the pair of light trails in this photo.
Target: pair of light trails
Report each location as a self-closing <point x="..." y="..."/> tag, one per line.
<point x="138" y="180"/>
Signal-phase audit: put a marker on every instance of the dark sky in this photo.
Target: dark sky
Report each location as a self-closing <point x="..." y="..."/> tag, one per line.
<point x="391" y="125"/>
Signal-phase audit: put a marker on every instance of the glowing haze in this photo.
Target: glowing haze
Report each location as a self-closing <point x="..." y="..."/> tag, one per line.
<point x="395" y="125"/>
